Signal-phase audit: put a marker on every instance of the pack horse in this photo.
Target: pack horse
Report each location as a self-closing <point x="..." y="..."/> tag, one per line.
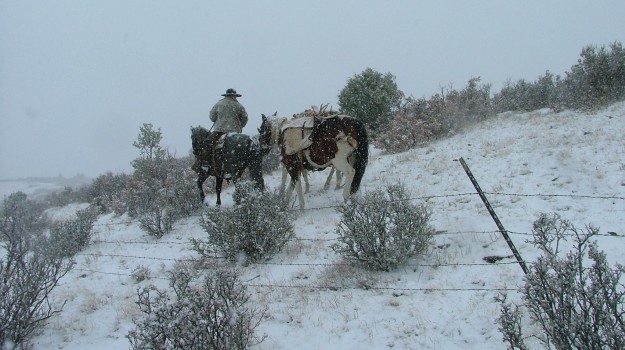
<point x="226" y="156"/>
<point x="318" y="142"/>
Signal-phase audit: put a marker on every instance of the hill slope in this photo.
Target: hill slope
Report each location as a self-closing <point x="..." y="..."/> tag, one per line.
<point x="570" y="163"/>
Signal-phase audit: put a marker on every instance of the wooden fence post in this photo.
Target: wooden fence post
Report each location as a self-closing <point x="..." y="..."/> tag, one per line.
<point x="503" y="231"/>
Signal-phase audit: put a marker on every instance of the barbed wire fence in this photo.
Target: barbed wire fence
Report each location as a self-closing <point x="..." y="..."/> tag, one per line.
<point x="305" y="286"/>
<point x="429" y="197"/>
<point x="493" y="264"/>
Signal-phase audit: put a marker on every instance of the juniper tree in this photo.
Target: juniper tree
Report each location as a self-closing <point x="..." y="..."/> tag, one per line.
<point x="372" y="97"/>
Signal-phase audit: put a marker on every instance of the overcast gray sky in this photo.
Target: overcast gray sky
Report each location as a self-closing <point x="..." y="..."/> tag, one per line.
<point x="78" y="78"/>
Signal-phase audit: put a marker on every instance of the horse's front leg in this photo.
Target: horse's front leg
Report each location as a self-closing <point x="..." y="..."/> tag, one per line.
<point x="295" y="183"/>
<point x="326" y="186"/>
<point x="201" y="177"/>
<point x="218" y="183"/>
<point x="293" y="165"/>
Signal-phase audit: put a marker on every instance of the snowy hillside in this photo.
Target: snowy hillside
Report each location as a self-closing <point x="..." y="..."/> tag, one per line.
<point x="38" y="187"/>
<point x="569" y="163"/>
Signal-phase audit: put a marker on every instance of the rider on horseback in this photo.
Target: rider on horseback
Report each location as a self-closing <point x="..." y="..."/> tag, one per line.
<point x="228" y="115"/>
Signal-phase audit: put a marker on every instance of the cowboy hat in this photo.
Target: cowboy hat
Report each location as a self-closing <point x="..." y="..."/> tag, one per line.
<point x="231" y="92"/>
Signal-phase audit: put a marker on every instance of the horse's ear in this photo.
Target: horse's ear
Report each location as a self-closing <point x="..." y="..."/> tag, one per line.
<point x="275" y="114"/>
<point x="264" y="117"/>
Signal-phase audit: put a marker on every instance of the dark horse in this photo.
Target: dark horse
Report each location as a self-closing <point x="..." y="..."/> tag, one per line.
<point x="337" y="140"/>
<point x="227" y="158"/>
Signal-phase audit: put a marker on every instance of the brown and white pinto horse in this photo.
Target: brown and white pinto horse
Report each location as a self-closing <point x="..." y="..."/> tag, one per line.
<point x="293" y="135"/>
<point x="337" y="141"/>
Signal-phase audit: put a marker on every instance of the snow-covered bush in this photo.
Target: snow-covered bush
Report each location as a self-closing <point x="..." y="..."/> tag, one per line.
<point x="467" y="106"/>
<point x="418" y="121"/>
<point x="159" y="202"/>
<point x="28" y="272"/>
<point x="107" y="192"/>
<point x="157" y="220"/>
<point x="576" y="298"/>
<point x="68" y="237"/>
<point x="68" y="195"/>
<point x="528" y="96"/>
<point x="255" y="229"/>
<point x="382" y="229"/>
<point x="272" y="161"/>
<point x="212" y="314"/>
<point x="162" y="188"/>
<point x="415" y="124"/>
<point x="140" y="273"/>
<point x="597" y="79"/>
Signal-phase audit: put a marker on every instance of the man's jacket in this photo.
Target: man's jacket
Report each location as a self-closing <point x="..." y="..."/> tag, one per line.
<point x="228" y="115"/>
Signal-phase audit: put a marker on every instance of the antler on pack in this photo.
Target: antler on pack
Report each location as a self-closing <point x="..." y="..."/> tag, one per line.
<point x="323" y="108"/>
<point x="317" y="112"/>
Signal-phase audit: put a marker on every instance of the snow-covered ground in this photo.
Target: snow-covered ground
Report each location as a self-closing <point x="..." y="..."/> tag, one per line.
<point x="570" y="163"/>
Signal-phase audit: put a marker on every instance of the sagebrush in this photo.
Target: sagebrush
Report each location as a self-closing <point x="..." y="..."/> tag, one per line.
<point x="28" y="271"/>
<point x="162" y="188"/>
<point x="382" y="229"/>
<point x="253" y="230"/>
<point x="575" y="296"/>
<point x="212" y="314"/>
<point x="68" y="237"/>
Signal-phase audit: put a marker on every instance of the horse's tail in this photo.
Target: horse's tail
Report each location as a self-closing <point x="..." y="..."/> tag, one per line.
<point x="361" y="155"/>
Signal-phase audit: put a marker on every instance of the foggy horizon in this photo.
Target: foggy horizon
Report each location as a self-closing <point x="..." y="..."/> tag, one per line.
<point x="79" y="79"/>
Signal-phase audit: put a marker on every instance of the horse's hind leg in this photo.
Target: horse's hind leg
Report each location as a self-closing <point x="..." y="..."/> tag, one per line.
<point x="300" y="195"/>
<point x="285" y="173"/>
<point x="339" y="179"/>
<point x="348" y="171"/>
<point x="304" y="175"/>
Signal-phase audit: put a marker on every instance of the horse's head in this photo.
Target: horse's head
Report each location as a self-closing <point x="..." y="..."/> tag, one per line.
<point x="272" y="125"/>
<point x="265" y="138"/>
<point x="199" y="136"/>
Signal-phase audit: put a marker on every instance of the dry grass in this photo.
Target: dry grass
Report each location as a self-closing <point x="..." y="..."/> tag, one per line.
<point x="343" y="275"/>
